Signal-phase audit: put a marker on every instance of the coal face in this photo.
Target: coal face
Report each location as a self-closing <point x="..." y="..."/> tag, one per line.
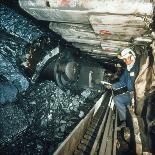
<point x="50" y="115"/>
<point x="34" y="117"/>
<point x="12" y="78"/>
<point x="18" y="25"/>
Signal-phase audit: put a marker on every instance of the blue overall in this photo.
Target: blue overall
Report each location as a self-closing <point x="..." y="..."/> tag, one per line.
<point x="127" y="79"/>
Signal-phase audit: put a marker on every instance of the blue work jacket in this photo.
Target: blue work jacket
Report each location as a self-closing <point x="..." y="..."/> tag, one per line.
<point x="127" y="79"/>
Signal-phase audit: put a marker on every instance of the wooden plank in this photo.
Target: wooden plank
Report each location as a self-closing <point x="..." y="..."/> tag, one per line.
<point x="73" y="30"/>
<point x="147" y="153"/>
<point x="109" y="32"/>
<point x="88" y="47"/>
<point x="119" y="20"/>
<point x="97" y="50"/>
<point x="136" y="132"/>
<point x="114" y="46"/>
<point x="71" y="142"/>
<point x="117" y="43"/>
<point x="109" y="138"/>
<point x="115" y="135"/>
<point x="82" y="40"/>
<point x="94" y="148"/>
<point x="119" y="27"/>
<point x="105" y="53"/>
<point x="105" y="135"/>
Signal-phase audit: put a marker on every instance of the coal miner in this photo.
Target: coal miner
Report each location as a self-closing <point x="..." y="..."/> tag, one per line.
<point x="123" y="89"/>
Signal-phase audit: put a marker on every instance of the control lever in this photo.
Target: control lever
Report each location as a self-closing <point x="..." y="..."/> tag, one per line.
<point x="106" y="84"/>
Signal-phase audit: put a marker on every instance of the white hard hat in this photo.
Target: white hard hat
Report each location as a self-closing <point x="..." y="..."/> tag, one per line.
<point x="126" y="53"/>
